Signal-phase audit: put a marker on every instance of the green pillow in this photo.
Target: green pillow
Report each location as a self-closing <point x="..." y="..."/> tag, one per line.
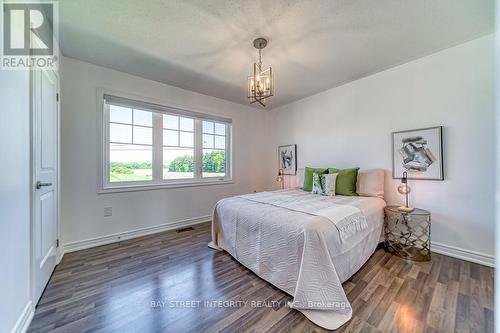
<point x="308" y="177"/>
<point x="346" y="181"/>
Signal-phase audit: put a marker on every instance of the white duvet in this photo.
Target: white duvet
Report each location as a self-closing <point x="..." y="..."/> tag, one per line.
<point x="301" y="245"/>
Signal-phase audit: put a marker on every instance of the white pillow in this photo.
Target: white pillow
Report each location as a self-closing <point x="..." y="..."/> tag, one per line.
<point x="371" y="183"/>
<point x="329" y="185"/>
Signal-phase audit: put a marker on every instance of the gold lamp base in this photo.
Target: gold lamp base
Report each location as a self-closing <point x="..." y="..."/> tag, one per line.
<point x="406" y="209"/>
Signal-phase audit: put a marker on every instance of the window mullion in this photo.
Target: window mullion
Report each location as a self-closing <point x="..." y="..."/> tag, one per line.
<point x="157" y="147"/>
<point x="198" y="149"/>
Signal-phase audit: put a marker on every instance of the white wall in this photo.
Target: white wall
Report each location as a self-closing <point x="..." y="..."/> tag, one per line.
<point x="351" y="125"/>
<point x="14" y="197"/>
<point x="82" y="208"/>
<point x="346" y="126"/>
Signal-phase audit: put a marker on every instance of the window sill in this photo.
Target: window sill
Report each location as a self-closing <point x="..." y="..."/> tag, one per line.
<point x="145" y="187"/>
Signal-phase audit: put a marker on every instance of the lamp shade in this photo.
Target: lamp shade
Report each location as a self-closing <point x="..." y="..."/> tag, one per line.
<point x="279" y="179"/>
<point x="404" y="189"/>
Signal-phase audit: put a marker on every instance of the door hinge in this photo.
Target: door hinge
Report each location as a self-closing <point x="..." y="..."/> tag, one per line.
<point x="57" y="242"/>
<point x="57" y="97"/>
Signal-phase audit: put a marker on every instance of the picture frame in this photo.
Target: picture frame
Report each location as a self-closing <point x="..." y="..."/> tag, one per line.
<point x="419" y="152"/>
<point x="287" y="159"/>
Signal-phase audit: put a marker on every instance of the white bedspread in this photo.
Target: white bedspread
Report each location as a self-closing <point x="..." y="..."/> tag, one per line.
<point x="301" y="253"/>
<point x="348" y="219"/>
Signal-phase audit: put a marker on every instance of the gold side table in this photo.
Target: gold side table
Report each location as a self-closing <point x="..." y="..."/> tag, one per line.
<point x="408" y="235"/>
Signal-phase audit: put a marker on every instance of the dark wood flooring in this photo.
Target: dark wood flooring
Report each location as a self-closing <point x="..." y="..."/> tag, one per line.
<point x="145" y="284"/>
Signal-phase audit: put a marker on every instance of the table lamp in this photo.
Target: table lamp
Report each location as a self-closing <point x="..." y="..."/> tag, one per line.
<point x="405" y="189"/>
<point x="280" y="178"/>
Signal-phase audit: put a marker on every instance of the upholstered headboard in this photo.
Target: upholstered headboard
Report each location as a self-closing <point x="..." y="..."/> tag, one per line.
<point x="295" y="181"/>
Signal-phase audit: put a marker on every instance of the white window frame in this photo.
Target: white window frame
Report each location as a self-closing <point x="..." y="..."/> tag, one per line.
<point x="158" y="108"/>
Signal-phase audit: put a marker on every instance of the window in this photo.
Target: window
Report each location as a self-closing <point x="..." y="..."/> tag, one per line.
<point x="178" y="147"/>
<point x="130" y="144"/>
<point x="147" y="144"/>
<point x="214" y="149"/>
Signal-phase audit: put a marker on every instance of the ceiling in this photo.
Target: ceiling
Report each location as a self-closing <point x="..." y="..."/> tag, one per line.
<point x="206" y="45"/>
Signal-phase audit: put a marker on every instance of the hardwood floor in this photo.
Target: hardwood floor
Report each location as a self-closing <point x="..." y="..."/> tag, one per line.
<point x="133" y="286"/>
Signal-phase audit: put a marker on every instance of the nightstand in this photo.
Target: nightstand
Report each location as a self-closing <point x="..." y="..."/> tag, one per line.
<point x="408" y="234"/>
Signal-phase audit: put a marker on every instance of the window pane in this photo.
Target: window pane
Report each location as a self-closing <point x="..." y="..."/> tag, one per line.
<point x="143" y="135"/>
<point x="186" y="139"/>
<point x="178" y="163"/>
<point x="208" y="127"/>
<point x="220" y="142"/>
<point x="131" y="133"/>
<point x="208" y="141"/>
<point x="118" y="114"/>
<point x="170" y="138"/>
<point x="128" y="163"/>
<point x="170" y="122"/>
<point x="120" y="133"/>
<point x="214" y="163"/>
<point x="143" y="118"/>
<point x="186" y="124"/>
<point x="220" y="129"/>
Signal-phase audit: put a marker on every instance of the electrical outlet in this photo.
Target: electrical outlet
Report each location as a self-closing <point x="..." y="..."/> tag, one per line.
<point x="108" y="211"/>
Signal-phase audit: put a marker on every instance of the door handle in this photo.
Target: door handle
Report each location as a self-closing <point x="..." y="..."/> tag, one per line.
<point x="39" y="184"/>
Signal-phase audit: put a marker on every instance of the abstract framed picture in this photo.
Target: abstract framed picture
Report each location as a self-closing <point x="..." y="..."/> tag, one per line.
<point x="419" y="152"/>
<point x="287" y="157"/>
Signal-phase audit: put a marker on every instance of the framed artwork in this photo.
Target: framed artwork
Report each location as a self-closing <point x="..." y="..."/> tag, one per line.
<point x="419" y="152"/>
<point x="287" y="156"/>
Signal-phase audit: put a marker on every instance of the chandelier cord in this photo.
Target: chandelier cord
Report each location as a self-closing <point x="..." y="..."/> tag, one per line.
<point x="260" y="57"/>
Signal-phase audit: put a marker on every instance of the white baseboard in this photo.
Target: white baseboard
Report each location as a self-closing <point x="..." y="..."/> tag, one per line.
<point x="24" y="320"/>
<point x="468" y="255"/>
<point x="59" y="255"/>
<point x="108" y="239"/>
<point x="448" y="250"/>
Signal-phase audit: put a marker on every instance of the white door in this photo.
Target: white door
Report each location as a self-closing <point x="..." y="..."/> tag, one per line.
<point x="45" y="177"/>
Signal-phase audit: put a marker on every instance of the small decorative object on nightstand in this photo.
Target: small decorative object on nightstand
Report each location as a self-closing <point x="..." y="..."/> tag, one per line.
<point x="408" y="234"/>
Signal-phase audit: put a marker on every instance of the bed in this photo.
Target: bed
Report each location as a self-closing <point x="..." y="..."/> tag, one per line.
<point x="305" y="244"/>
